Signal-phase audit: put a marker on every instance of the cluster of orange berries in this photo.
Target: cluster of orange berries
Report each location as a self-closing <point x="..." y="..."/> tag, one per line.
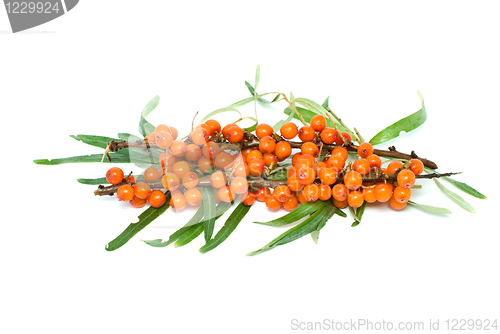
<point x="184" y="162"/>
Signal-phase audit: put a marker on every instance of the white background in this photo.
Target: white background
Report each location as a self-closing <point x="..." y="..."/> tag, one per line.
<point x="92" y="71"/>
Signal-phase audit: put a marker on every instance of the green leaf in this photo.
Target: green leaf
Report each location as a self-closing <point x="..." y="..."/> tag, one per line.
<point x="98" y="141"/>
<point x="302" y="211"/>
<point x="359" y="214"/>
<point x="128" y="137"/>
<point x="229" y="226"/>
<point x="317" y="109"/>
<point x="454" y="197"/>
<point x="209" y="207"/>
<point x="340" y="213"/>
<point x="307" y="114"/>
<point x="221" y="110"/>
<point x="315" y="236"/>
<point x="145" y="128"/>
<point x="325" y="104"/>
<point x="406" y="124"/>
<point x="461" y="185"/>
<point x="257" y="77"/>
<point x="259" y="98"/>
<point x="192" y="233"/>
<point x="115" y="158"/>
<point x="152" y="104"/>
<point x="101" y="180"/>
<point x="431" y="209"/>
<point x="145" y="219"/>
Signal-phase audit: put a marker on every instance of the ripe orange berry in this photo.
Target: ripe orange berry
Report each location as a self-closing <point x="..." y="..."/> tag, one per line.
<point x="256" y="167"/>
<point x="157" y="198"/>
<point x="365" y="149"/>
<point x="190" y="180"/>
<point x="200" y="136"/>
<point x="239" y="185"/>
<point x="180" y="168"/>
<point x="339" y="192"/>
<point x="346" y="136"/>
<point x="234" y="134"/>
<point x="340" y="204"/>
<point x="353" y="180"/>
<point x="163" y="159"/>
<point x="163" y="139"/>
<point x="178" y="148"/>
<point x="170" y="181"/>
<point x="325" y="192"/>
<point x="142" y="190"/>
<point x="406" y="178"/>
<point x="169" y="129"/>
<point x="309" y="148"/>
<point x="396" y="205"/>
<point x="282" y="193"/>
<point x="355" y="198"/>
<point x="227" y="127"/>
<point x="247" y="150"/>
<point x="173" y="132"/>
<point x="151" y="174"/>
<point x="320" y="166"/>
<point x="311" y="192"/>
<point x="178" y="201"/>
<point x="218" y="179"/>
<point x="214" y="127"/>
<point x="306" y="175"/>
<point x="301" y="197"/>
<point x="223" y="159"/>
<point x="210" y="150"/>
<point x="328" y="175"/>
<point x="293" y="183"/>
<point x="289" y="130"/>
<point x="256" y="154"/>
<point x="125" y="192"/>
<point x="114" y="175"/>
<point x="193" y="196"/>
<point x="150" y="138"/>
<point x="362" y="166"/>
<point x="342" y="151"/>
<point x="270" y="160"/>
<point x="318" y="122"/>
<point x="393" y="167"/>
<point x="369" y="195"/>
<point x="131" y="179"/>
<point x="226" y="194"/>
<point x="267" y="144"/>
<point x="273" y="203"/>
<point x="305" y="160"/>
<point x="283" y="150"/>
<point x="296" y="158"/>
<point x="306" y="133"/>
<point x="416" y="166"/>
<point x="137" y="202"/>
<point x="205" y="165"/>
<point x="248" y="198"/>
<point x="291" y="203"/>
<point x="336" y="162"/>
<point x="241" y="169"/>
<point x="262" y="193"/>
<point x="383" y="192"/>
<point x="401" y="194"/>
<point x="374" y="161"/>
<point x="329" y="136"/>
<point x="263" y="130"/>
<point x="193" y="152"/>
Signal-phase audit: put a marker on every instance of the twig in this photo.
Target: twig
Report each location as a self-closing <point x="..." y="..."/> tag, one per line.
<point x="361" y="140"/>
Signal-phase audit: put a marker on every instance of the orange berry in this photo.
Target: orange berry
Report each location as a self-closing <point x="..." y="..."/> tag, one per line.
<point x="163" y="139"/>
<point x="318" y="122"/>
<point x="406" y="178"/>
<point x="393" y="167"/>
<point x="200" y="136"/>
<point x="336" y="162"/>
<point x="341" y="151"/>
<point x="311" y="192"/>
<point x="125" y="192"/>
<point x="325" y="192"/>
<point x="369" y="195"/>
<point x="247" y="150"/>
<point x="190" y="180"/>
<point x="241" y="169"/>
<point x="157" y="199"/>
<point x="328" y="175"/>
<point x="320" y="166"/>
<point x="267" y="144"/>
<point x="270" y="160"/>
<point x="150" y="138"/>
<point x="296" y="158"/>
<point x="401" y="194"/>
<point x="396" y="205"/>
<point x="205" y="165"/>
<point x="142" y="190"/>
<point x="383" y="192"/>
<point x="163" y="159"/>
<point x="218" y="179"/>
<point x="226" y="194"/>
<point x="305" y="160"/>
<point x="306" y="133"/>
<point x="374" y="161"/>
<point x="263" y="130"/>
<point x="289" y="130"/>
<point x="223" y="159"/>
<point x="346" y="136"/>
<point x="169" y="129"/>
<point x="193" y="197"/>
<point x="178" y="148"/>
<point x="306" y="175"/>
<point x="262" y="193"/>
<point x="214" y="127"/>
<point x="282" y="193"/>
<point x="362" y="166"/>
<point x="291" y="203"/>
<point x="339" y="192"/>
<point x="294" y="183"/>
<point x="114" y="175"/>
<point x="340" y="204"/>
<point x="248" y="198"/>
<point x="355" y="198"/>
<point x="193" y="152"/>
<point x="416" y="166"/>
<point x="180" y="168"/>
<point x="283" y="150"/>
<point x="256" y="167"/>
<point x="301" y="197"/>
<point x="227" y="127"/>
<point x="329" y="136"/>
<point x="273" y="203"/>
<point x="353" y="180"/>
<point x="239" y="185"/>
<point x="131" y="179"/>
<point x="234" y="134"/>
<point x="256" y="154"/>
<point x="178" y="201"/>
<point x="137" y="202"/>
<point x="151" y="174"/>
<point x="365" y="149"/>
<point x="170" y="181"/>
<point x="210" y="150"/>
<point x="309" y="148"/>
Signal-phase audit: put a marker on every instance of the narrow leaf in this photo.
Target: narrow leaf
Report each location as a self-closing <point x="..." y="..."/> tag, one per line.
<point x="257" y="77"/>
<point x="128" y="137"/>
<point x="317" y="109"/>
<point x="325" y="104"/>
<point x="221" y="110"/>
<point x="302" y="211"/>
<point x="192" y="233"/>
<point x="229" y="226"/>
<point x="431" y="209"/>
<point x="315" y="236"/>
<point x="454" y="197"/>
<point x="359" y="214"/>
<point x="340" y="213"/>
<point x="145" y="218"/>
<point x="152" y="104"/>
<point x="115" y="158"/>
<point x="145" y="128"/>
<point x="407" y="124"/>
<point x="461" y="185"/>
<point x="209" y="208"/>
<point x="98" y="141"/>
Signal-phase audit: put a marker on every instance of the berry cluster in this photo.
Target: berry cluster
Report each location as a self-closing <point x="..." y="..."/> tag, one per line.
<point x="206" y="159"/>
